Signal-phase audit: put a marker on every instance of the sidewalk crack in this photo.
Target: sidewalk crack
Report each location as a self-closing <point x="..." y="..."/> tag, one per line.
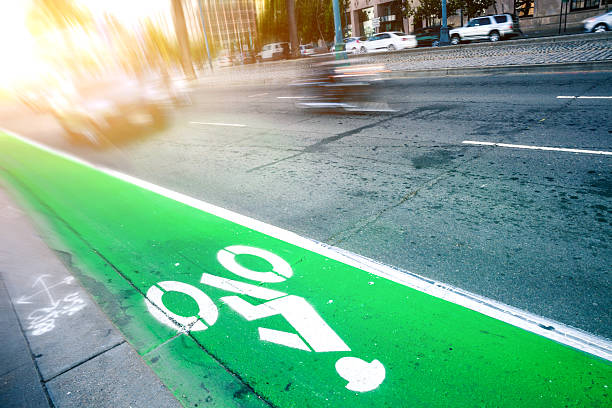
<point x="80" y="363"/>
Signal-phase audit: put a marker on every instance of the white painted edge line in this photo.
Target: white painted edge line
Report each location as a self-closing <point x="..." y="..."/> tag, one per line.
<point x="553" y="149"/>
<point x="583" y="97"/>
<point x="559" y="332"/>
<point x="259" y="94"/>
<point x="217" y="124"/>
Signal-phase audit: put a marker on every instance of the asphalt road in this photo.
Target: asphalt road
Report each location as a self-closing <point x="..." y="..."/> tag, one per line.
<point x="529" y="228"/>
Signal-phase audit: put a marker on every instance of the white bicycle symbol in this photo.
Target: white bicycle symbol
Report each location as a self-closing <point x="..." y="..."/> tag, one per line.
<point x="316" y="334"/>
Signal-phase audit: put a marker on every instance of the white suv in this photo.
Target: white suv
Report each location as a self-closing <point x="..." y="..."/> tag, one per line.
<point x="493" y="28"/>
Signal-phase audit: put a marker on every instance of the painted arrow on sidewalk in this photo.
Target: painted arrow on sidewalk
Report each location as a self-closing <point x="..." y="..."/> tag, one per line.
<point x="234" y="312"/>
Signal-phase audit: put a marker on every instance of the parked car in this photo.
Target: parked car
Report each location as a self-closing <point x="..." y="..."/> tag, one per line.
<point x="428" y="36"/>
<point x="493" y="28"/>
<point x="274" y="51"/>
<point x="599" y="23"/>
<point x="388" y="41"/>
<point x="349" y="44"/>
<point x="307" y="50"/>
<point x="224" y="60"/>
<point x="245" y="57"/>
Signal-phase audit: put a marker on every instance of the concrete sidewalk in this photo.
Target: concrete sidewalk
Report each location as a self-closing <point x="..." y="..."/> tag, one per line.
<point x="59" y="349"/>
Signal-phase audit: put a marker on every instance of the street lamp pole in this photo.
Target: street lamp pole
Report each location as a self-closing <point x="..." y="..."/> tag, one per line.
<point x="337" y="22"/>
<point x="205" y="36"/>
<point x="444" y="39"/>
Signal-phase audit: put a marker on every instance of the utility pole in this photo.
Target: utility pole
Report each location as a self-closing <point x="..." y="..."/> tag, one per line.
<point x="183" y="39"/>
<point x="444" y="39"/>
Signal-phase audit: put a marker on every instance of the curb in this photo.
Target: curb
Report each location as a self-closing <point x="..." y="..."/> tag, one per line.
<point x="514" y="42"/>
<point x="605" y="66"/>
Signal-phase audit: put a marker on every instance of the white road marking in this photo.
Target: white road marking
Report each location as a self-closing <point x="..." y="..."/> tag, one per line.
<point x="217" y="124"/>
<point x="293" y="97"/>
<point x="259" y="94"/>
<point x="554" y="149"/>
<point x="559" y="332"/>
<point x="583" y="97"/>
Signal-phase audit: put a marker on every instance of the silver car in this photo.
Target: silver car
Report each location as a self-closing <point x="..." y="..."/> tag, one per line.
<point x="598" y="24"/>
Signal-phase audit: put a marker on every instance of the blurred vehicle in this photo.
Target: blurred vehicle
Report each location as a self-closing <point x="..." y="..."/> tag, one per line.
<point x="38" y="96"/>
<point x="307" y="50"/>
<point x="335" y="85"/>
<point x="274" y="51"/>
<point x="224" y="59"/>
<point x="247" y="57"/>
<point x="178" y="90"/>
<point x="349" y="44"/>
<point x="598" y="24"/>
<point x="99" y="108"/>
<point x="428" y="36"/>
<point x="388" y="41"/>
<point x="493" y="28"/>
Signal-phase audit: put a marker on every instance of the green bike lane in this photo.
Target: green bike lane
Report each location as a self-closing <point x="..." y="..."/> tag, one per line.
<point x="228" y="315"/>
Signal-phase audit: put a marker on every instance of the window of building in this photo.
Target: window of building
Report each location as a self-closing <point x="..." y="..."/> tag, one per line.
<point x="583" y="4"/>
<point x="524" y="8"/>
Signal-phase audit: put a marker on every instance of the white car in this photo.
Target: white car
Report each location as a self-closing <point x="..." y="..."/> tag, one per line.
<point x="274" y="51"/>
<point x="493" y="28"/>
<point x="599" y="23"/>
<point x="388" y="41"/>
<point x="350" y="45"/>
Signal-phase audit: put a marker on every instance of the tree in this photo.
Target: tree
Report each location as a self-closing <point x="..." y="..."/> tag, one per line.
<point x="314" y="20"/>
<point x="45" y="15"/>
<point x="472" y="8"/>
<point x="430" y="9"/>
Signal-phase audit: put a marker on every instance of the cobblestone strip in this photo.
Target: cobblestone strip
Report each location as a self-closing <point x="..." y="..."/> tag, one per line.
<point x="583" y="48"/>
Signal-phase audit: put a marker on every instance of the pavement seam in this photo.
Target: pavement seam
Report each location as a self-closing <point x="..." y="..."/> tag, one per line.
<point x="344" y="235"/>
<point x="80" y="363"/>
<point x="315" y="146"/>
<point x="32" y="356"/>
<point x="116" y="269"/>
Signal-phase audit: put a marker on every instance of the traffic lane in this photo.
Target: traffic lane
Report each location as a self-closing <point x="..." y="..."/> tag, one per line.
<point x="504" y="227"/>
<point x="514" y="89"/>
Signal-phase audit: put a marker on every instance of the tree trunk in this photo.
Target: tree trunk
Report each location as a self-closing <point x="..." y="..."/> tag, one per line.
<point x="183" y="39"/>
<point x="293" y="39"/>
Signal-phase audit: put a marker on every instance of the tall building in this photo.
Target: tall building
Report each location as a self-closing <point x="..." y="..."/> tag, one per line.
<point x="230" y="24"/>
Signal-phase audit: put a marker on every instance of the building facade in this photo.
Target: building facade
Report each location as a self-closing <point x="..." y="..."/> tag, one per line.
<point x="230" y="24"/>
<point x="365" y="13"/>
<point x="536" y="16"/>
<point x="551" y="16"/>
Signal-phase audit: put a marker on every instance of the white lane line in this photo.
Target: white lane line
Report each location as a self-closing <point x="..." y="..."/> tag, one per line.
<point x="259" y="94"/>
<point x="542" y="326"/>
<point x="583" y="97"/>
<point x="554" y="149"/>
<point x="293" y="97"/>
<point x="217" y="124"/>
